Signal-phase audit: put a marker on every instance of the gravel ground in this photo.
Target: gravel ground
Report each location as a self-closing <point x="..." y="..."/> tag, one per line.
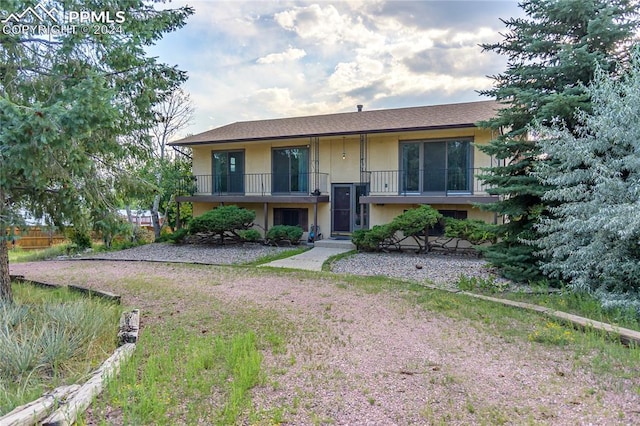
<point x="357" y="358"/>
<point x="187" y="253"/>
<point x="441" y="270"/>
<point x="436" y="269"/>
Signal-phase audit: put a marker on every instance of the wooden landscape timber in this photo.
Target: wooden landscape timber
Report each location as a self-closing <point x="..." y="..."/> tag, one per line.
<point x="625" y="335"/>
<point x="71" y="401"/>
<point x="129" y="327"/>
<point x="35" y="411"/>
<point x="68" y="413"/>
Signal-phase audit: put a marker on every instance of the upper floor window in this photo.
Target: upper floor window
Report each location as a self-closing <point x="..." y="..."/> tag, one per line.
<point x="436" y="166"/>
<point x="290" y="170"/>
<point x="228" y="172"/>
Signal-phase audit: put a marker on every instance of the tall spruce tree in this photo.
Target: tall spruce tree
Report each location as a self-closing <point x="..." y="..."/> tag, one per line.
<point x="70" y="101"/>
<point x="552" y="54"/>
<point x="592" y="240"/>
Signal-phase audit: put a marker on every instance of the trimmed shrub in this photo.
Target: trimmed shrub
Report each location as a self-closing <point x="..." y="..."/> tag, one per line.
<point x="413" y="223"/>
<point x="474" y="231"/>
<point x="416" y="221"/>
<point x="372" y="239"/>
<point x="280" y="233"/>
<point x="223" y="223"/>
<point x="250" y="235"/>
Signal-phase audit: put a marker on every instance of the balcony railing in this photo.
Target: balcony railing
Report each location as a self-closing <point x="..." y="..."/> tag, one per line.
<point x="249" y="184"/>
<point x="440" y="182"/>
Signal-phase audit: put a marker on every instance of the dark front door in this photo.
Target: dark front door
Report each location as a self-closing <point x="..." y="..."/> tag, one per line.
<point x="341" y="202"/>
<point x="347" y="214"/>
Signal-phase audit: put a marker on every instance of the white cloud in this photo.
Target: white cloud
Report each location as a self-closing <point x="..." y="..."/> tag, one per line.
<point x="243" y="65"/>
<point x="325" y="25"/>
<point x="290" y="54"/>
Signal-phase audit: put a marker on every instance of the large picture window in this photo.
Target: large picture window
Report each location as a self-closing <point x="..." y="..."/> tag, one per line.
<point x="290" y="170"/>
<point x="228" y="172"/>
<point x="436" y="166"/>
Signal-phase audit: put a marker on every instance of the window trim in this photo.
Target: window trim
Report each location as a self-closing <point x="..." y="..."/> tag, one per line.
<point x="303" y="213"/>
<point x="308" y="173"/>
<point x="213" y="170"/>
<point x="421" y="185"/>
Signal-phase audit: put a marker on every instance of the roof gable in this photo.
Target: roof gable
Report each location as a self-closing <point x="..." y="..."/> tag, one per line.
<point x="375" y="121"/>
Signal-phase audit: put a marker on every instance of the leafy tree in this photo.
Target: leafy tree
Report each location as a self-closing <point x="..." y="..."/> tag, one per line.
<point x="551" y="53"/>
<point x="593" y="238"/>
<point x="172" y="115"/>
<point x="69" y="105"/>
<point x="173" y="173"/>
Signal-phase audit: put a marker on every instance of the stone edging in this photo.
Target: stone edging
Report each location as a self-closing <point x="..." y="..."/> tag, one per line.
<point x="71" y="401"/>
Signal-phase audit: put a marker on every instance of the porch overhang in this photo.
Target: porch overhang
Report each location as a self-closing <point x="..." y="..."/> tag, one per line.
<point x="428" y="199"/>
<point x="292" y="199"/>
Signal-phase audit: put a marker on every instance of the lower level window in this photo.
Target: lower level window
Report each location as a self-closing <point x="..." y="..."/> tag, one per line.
<point x="292" y="217"/>
<point x="438" y="229"/>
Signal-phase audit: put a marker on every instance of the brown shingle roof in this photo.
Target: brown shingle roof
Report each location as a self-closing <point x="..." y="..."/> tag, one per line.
<point x="378" y="121"/>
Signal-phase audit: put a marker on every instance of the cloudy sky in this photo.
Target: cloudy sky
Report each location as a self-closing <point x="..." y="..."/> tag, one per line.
<point x="249" y="60"/>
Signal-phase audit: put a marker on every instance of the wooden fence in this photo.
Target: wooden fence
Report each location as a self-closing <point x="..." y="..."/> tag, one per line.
<point x="35" y="238"/>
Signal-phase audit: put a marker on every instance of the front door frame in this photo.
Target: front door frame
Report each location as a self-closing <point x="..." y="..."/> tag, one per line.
<point x="354" y="219"/>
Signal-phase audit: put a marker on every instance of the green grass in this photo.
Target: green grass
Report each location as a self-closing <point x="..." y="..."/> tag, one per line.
<point x="18" y="254"/>
<point x="579" y="304"/>
<point x="183" y="374"/>
<point x="326" y="266"/>
<point x="277" y="256"/>
<point x="49" y="338"/>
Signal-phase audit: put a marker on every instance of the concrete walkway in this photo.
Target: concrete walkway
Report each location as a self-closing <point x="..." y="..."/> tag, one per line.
<point x="310" y="260"/>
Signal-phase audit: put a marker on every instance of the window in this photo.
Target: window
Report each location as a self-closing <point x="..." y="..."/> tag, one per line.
<point x="290" y="170"/>
<point x="292" y="217"/>
<point x="438" y="229"/>
<point x="228" y="172"/>
<point x="436" y="166"/>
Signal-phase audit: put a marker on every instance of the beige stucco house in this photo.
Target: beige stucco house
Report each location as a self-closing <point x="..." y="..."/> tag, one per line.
<point x="345" y="171"/>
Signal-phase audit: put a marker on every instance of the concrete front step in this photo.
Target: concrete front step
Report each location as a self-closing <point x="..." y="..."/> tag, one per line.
<point x="331" y="243"/>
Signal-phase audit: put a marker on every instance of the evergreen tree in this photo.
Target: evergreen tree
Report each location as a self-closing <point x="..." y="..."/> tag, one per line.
<point x="592" y="240"/>
<point x="70" y="103"/>
<point x="552" y="53"/>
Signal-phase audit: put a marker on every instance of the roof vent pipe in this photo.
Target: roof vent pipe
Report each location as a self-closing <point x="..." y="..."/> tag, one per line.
<point x="359" y="108"/>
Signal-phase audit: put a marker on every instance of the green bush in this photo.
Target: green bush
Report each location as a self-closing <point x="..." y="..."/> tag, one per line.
<point x="280" y="233"/>
<point x="372" y="239"/>
<point x="222" y="219"/>
<point x="250" y="235"/>
<point x="143" y="235"/>
<point x="80" y="239"/>
<point x="416" y="221"/>
<point x="474" y="231"/>
<point x="178" y="236"/>
<point x="412" y="223"/>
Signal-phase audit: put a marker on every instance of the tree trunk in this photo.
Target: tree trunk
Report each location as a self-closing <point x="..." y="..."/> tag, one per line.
<point x="165" y="216"/>
<point x="154" y="216"/>
<point x="129" y="215"/>
<point x="5" y="280"/>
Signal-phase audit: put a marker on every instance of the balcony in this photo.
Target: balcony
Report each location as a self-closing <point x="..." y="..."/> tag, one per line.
<point x="446" y="186"/>
<point x="254" y="187"/>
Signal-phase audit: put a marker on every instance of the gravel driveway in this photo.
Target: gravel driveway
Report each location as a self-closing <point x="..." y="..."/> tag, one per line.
<point x="375" y="359"/>
<point x="441" y="270"/>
